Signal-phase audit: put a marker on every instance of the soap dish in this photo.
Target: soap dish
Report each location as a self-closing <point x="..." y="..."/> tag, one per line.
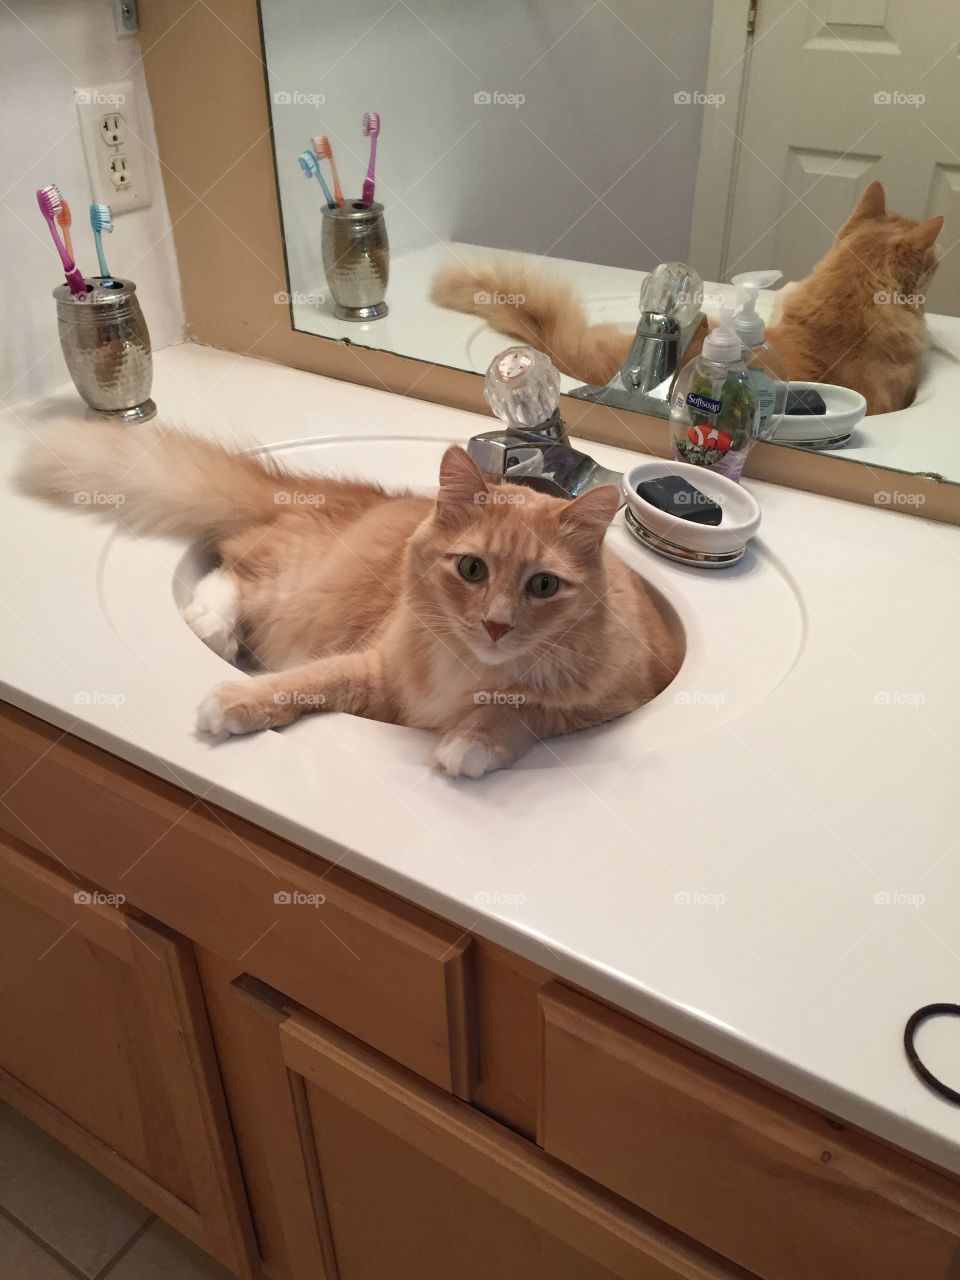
<point x="702" y="545"/>
<point x="830" y="430"/>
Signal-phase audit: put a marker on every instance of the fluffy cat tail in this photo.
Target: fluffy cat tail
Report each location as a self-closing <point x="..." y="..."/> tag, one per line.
<point x="157" y="479"/>
<point x="546" y="314"/>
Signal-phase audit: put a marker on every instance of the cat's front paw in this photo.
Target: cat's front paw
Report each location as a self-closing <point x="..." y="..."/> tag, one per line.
<point x="462" y="756"/>
<point x="232" y="708"/>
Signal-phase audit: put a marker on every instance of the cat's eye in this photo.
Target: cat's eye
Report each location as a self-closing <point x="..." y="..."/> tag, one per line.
<point x="472" y="568"/>
<point x="543" y="585"/>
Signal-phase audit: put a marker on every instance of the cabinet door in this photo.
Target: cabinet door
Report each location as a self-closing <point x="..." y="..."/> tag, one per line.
<point x="409" y="1183"/>
<point x="105" y="1045"/>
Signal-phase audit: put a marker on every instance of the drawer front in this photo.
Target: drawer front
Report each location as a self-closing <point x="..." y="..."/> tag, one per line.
<point x="760" y="1179"/>
<point x="385" y="971"/>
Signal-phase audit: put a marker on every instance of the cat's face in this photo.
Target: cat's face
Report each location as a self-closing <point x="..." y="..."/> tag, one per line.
<point x="504" y="570"/>
<point x="899" y="252"/>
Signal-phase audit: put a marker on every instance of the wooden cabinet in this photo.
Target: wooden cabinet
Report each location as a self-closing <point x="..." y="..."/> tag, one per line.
<point x="316" y="1080"/>
<point x="408" y="1182"/>
<point x="105" y="1044"/>
<point x="760" y="1178"/>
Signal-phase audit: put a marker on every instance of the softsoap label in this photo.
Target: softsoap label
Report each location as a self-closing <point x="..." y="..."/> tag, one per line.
<point x="703" y="404"/>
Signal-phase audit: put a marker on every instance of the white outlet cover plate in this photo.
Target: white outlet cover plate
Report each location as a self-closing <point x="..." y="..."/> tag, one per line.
<point x="96" y="103"/>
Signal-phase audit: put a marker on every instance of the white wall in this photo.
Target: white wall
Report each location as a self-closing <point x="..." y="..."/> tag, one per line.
<point x="47" y="49"/>
<point x="599" y="85"/>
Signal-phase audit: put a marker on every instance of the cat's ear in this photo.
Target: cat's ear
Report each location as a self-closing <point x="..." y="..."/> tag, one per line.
<point x="872" y="204"/>
<point x="585" y="520"/>
<point x="461" y="483"/>
<point x="922" y="237"/>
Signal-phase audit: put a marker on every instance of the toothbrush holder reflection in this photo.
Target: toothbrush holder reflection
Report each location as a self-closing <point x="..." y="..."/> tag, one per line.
<point x="106" y="345"/>
<point x="356" y="259"/>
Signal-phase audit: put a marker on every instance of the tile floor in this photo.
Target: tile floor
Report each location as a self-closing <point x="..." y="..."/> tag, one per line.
<point x="60" y="1220"/>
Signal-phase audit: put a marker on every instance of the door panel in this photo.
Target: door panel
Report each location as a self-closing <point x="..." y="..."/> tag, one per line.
<point x="106" y="1046"/>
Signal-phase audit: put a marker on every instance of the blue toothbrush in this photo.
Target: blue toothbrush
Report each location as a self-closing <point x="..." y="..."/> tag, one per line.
<point x="101" y="220"/>
<point x="311" y="169"/>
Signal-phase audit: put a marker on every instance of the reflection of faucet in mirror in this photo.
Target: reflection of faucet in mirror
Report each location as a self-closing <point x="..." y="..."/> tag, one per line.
<point x="522" y="388"/>
<point x="670" y="315"/>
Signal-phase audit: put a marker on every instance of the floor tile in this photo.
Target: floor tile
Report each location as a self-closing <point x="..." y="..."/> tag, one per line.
<point x="21" y="1259"/>
<point x="64" y="1202"/>
<point x="162" y="1254"/>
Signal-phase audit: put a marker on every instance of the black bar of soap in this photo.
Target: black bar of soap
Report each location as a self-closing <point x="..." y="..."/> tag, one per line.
<point x="679" y="498"/>
<point x="805" y="402"/>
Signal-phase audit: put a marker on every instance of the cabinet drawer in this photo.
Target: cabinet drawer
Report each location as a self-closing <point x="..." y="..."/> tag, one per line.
<point x="388" y="973"/>
<point x="759" y="1178"/>
<point x="457" y="1197"/>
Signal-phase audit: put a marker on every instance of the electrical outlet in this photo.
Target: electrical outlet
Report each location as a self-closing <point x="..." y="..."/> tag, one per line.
<point x="115" y="155"/>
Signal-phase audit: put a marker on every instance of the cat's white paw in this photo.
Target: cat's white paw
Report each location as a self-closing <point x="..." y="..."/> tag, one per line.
<point x="219" y="716"/>
<point x="212" y="614"/>
<point x="464" y="757"/>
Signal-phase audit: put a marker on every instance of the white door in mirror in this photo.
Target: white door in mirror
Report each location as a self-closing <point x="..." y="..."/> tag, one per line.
<point x="111" y="132"/>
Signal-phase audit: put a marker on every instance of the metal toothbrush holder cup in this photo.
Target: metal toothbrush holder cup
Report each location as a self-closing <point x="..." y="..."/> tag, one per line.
<point x="106" y="345"/>
<point x="356" y="259"/>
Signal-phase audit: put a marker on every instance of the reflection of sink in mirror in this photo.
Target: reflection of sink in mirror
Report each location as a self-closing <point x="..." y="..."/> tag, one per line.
<point x="755" y="598"/>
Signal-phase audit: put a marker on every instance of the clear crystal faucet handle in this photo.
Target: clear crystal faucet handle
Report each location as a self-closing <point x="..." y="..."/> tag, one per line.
<point x="522" y="388"/>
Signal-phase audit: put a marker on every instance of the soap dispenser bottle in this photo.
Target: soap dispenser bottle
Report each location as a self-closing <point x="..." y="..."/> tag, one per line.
<point x="714" y="405"/>
<point x="766" y="368"/>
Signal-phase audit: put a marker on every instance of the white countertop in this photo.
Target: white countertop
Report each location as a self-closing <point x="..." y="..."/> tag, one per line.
<point x="715" y="863"/>
<point x="920" y="438"/>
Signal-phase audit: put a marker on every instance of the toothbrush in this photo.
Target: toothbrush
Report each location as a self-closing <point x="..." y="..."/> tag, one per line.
<point x="101" y="220"/>
<point x="64" y="222"/>
<point x="308" y="163"/>
<point x="371" y="130"/>
<point x="324" y="151"/>
<point x="51" y="203"/>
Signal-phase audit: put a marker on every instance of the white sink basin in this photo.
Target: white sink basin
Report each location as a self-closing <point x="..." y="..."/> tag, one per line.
<point x="754" y="636"/>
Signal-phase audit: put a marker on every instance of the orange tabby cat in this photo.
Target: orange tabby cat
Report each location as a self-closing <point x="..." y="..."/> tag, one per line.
<point x="494" y="615"/>
<point x="856" y="320"/>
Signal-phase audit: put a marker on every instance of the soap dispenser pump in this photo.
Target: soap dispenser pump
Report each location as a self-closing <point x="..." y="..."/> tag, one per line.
<point x="766" y="368"/>
<point x="713" y="404"/>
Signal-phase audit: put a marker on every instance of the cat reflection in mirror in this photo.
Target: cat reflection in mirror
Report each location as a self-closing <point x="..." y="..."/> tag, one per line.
<point x="855" y="321"/>
<point x="494" y="616"/>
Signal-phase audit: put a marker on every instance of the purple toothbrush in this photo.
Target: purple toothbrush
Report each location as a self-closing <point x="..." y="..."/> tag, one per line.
<point x="51" y="203"/>
<point x="371" y="130"/>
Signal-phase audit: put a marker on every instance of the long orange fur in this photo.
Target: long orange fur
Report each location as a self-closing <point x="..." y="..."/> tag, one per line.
<point x="834" y="326"/>
<point x="351" y="598"/>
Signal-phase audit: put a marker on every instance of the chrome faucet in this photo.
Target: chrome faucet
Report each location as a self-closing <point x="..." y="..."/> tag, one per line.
<point x="670" y="314"/>
<point x="523" y="389"/>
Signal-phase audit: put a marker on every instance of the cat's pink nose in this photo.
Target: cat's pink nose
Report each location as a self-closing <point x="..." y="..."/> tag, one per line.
<point x="497" y="629"/>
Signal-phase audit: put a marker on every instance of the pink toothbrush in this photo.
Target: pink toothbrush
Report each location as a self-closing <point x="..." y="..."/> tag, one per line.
<point x="51" y="204"/>
<point x="371" y="130"/>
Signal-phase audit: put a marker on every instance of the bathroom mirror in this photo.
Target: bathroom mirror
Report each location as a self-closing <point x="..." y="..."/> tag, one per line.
<point x="541" y="157"/>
